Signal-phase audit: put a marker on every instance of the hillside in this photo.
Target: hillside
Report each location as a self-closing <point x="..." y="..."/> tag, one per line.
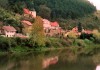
<point x="67" y="12"/>
<point x="51" y="9"/>
<point x="91" y="21"/>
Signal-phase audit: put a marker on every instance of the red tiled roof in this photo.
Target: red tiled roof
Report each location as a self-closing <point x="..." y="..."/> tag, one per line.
<point x="9" y="28"/>
<point x="88" y="31"/>
<point x="54" y="24"/>
<point x="20" y="35"/>
<point x="26" y="22"/>
<point x="75" y="29"/>
<point x="26" y="11"/>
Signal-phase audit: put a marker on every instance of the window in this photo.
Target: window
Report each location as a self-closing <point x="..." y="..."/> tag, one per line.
<point x="7" y="35"/>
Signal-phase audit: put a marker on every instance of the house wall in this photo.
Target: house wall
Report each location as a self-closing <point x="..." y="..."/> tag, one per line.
<point x="9" y="34"/>
<point x="27" y="29"/>
<point x="33" y="13"/>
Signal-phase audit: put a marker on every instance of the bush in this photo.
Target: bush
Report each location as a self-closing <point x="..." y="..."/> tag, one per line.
<point x="86" y="36"/>
<point x="96" y="35"/>
<point x="79" y="42"/>
<point x="72" y="35"/>
<point x="7" y="43"/>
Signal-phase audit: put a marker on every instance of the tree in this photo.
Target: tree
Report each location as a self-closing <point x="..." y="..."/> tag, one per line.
<point x="37" y="33"/>
<point x="44" y="11"/>
<point x="79" y="27"/>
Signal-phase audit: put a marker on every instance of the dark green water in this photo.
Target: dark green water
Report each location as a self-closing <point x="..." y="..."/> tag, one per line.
<point x="51" y="60"/>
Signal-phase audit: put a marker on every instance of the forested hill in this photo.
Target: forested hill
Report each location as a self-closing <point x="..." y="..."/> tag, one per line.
<point x="64" y="8"/>
<point x="51" y="9"/>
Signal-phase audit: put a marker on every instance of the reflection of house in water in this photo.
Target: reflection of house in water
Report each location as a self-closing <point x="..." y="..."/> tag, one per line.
<point x="50" y="61"/>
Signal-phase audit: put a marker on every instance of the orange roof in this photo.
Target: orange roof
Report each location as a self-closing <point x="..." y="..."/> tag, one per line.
<point x="54" y="24"/>
<point x="9" y="28"/>
<point x="75" y="29"/>
<point x="20" y="35"/>
<point x="88" y="31"/>
<point x="26" y="22"/>
<point x="26" y="11"/>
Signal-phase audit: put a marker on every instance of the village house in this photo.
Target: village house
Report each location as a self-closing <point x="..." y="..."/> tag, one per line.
<point x="8" y="31"/>
<point x="27" y="26"/>
<point x="52" y="28"/>
<point x="46" y="26"/>
<point x="19" y="35"/>
<point x="54" y="25"/>
<point x="28" y="13"/>
<point x="75" y="29"/>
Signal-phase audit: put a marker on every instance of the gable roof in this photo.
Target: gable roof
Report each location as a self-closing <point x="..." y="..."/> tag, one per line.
<point x="20" y="35"/>
<point x="45" y="21"/>
<point x="9" y="28"/>
<point x="55" y="24"/>
<point x="26" y="11"/>
<point x="26" y="22"/>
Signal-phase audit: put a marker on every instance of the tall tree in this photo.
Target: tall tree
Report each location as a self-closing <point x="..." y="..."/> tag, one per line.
<point x="37" y="33"/>
<point x="44" y="11"/>
<point x="79" y="27"/>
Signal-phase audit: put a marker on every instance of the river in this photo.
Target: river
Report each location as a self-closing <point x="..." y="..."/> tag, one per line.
<point x="49" y="60"/>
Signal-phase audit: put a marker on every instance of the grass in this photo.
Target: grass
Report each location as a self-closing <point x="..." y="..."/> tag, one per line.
<point x="78" y="46"/>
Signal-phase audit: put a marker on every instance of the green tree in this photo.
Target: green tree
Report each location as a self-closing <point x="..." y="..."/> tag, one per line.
<point x="79" y="27"/>
<point x="44" y="11"/>
<point x="37" y="33"/>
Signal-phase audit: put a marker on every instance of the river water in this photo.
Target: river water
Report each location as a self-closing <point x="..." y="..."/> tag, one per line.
<point x="49" y="60"/>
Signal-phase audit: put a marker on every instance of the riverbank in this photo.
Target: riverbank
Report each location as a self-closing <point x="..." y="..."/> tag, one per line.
<point x="20" y="46"/>
<point x="77" y="50"/>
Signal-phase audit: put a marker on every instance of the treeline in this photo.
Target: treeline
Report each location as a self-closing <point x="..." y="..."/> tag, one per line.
<point x="51" y="9"/>
<point x="64" y="8"/>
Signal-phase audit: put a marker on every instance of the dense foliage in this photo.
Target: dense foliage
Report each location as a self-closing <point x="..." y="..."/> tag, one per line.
<point x="68" y="12"/>
<point x="37" y="35"/>
<point x="52" y="8"/>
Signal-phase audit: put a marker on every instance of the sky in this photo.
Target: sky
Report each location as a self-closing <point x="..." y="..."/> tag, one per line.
<point x="96" y="3"/>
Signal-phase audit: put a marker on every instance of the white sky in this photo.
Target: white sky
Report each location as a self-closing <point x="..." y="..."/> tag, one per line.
<point x="96" y="3"/>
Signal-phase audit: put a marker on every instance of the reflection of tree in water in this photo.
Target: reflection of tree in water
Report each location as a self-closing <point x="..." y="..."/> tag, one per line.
<point x="33" y="61"/>
<point x="96" y="59"/>
<point x="27" y="62"/>
<point x="3" y="62"/>
<point x="68" y="55"/>
<point x="48" y="61"/>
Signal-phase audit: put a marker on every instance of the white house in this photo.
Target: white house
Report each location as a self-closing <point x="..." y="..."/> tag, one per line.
<point x="46" y="24"/>
<point x="27" y="12"/>
<point x="33" y="14"/>
<point x="8" y="31"/>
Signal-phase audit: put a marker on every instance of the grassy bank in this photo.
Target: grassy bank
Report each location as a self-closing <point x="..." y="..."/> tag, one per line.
<point x="78" y="46"/>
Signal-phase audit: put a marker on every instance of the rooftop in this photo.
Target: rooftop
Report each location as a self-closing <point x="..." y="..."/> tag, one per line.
<point x="54" y="24"/>
<point x="9" y="28"/>
<point x="26" y="22"/>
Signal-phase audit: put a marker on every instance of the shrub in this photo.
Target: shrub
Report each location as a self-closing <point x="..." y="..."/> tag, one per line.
<point x="86" y="36"/>
<point x="7" y="43"/>
<point x="96" y="35"/>
<point x="80" y="42"/>
<point x="72" y="35"/>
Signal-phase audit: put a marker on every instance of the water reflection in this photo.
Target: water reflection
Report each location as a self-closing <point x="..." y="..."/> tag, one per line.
<point x="50" y="60"/>
<point x="96" y="60"/>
